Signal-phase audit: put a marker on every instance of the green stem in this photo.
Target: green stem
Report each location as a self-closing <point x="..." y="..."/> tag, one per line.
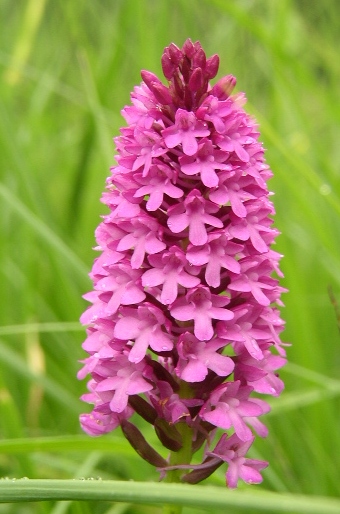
<point x="149" y="493"/>
<point x="183" y="456"/>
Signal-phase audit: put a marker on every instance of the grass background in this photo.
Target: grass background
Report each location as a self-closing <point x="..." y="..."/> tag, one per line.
<point x="67" y="69"/>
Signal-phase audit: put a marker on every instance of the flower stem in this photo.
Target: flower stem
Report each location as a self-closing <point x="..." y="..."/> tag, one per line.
<point x="183" y="456"/>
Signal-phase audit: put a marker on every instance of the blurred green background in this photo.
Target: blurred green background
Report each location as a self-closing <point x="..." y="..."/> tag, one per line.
<point x="67" y="69"/>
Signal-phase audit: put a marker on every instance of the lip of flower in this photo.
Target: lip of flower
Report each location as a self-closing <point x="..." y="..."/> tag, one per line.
<point x="184" y="311"/>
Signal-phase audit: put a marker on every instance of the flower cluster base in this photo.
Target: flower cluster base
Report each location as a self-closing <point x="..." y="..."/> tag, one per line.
<point x="184" y="325"/>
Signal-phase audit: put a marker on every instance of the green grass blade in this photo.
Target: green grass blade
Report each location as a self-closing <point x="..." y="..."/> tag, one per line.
<point x="43" y="231"/>
<point x="212" y="498"/>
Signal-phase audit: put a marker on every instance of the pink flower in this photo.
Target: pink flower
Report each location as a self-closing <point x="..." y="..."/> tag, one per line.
<point x="205" y="163"/>
<point x="201" y="307"/>
<point x="169" y="271"/>
<point x="158" y="183"/>
<point x="184" y="327"/>
<point x="144" y="326"/>
<point x="142" y="236"/>
<point x="227" y="407"/>
<point x="233" y="451"/>
<point x="193" y="215"/>
<point x="218" y="253"/>
<point x="185" y="131"/>
<point x="197" y="357"/>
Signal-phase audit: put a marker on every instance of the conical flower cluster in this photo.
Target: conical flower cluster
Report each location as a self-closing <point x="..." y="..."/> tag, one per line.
<point x="184" y="324"/>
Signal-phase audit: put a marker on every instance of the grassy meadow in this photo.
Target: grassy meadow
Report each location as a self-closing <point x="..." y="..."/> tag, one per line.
<point x="67" y="70"/>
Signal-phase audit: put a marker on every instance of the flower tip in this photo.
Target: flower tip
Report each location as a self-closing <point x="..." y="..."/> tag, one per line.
<point x="212" y="65"/>
<point x="223" y="88"/>
<point x="196" y="80"/>
<point x="171" y="58"/>
<point x="188" y="48"/>
<point x="160" y="91"/>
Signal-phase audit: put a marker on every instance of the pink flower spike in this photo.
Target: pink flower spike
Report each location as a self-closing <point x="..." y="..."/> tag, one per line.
<point x="146" y="147"/>
<point x="218" y="253"/>
<point x="184" y="323"/>
<point x="123" y="284"/>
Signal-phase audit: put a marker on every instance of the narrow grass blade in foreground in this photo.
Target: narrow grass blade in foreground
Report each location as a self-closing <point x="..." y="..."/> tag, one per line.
<point x="213" y="498"/>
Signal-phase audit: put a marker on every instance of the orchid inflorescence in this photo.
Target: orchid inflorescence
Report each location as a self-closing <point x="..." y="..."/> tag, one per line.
<point x="184" y="313"/>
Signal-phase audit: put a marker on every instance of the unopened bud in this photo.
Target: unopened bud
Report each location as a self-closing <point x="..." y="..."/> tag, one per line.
<point x="188" y="48"/>
<point x="168" y="67"/>
<point x="212" y="65"/>
<point x="142" y="447"/>
<point x="160" y="91"/>
<point x="196" y="80"/>
<point x="199" y="59"/>
<point x="223" y="87"/>
<point x="143" y="408"/>
<point x="175" y="53"/>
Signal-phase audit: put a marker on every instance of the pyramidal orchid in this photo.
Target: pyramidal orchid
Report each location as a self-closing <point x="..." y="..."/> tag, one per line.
<point x="184" y="324"/>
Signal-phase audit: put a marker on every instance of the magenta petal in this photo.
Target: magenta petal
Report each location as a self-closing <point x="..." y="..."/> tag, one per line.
<point x="223" y="314"/>
<point x="138" y="351"/>
<point x="182" y="312"/>
<point x="197" y="232"/>
<point x="250" y="475"/>
<point x="189" y="144"/>
<point x="177" y="223"/>
<point x="241" y="429"/>
<point x="203" y="328"/>
<point x="172" y="139"/>
<point x="220" y="364"/>
<point x="152" y="277"/>
<point x="232" y="476"/>
<point x="195" y="371"/>
<point x="126" y="328"/>
<point x="218" y="418"/>
<point x="209" y="177"/>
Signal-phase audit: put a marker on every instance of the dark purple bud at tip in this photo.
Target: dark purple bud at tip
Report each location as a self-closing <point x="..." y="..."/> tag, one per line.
<point x="212" y="65"/>
<point x="199" y="60"/>
<point x="188" y="48"/>
<point x="149" y="78"/>
<point x="142" y="447"/>
<point x="158" y="89"/>
<point x="175" y="54"/>
<point x="143" y="408"/>
<point x="223" y="87"/>
<point x="167" y="66"/>
<point x="163" y="374"/>
<point x="196" y="80"/>
<point x="161" y="93"/>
